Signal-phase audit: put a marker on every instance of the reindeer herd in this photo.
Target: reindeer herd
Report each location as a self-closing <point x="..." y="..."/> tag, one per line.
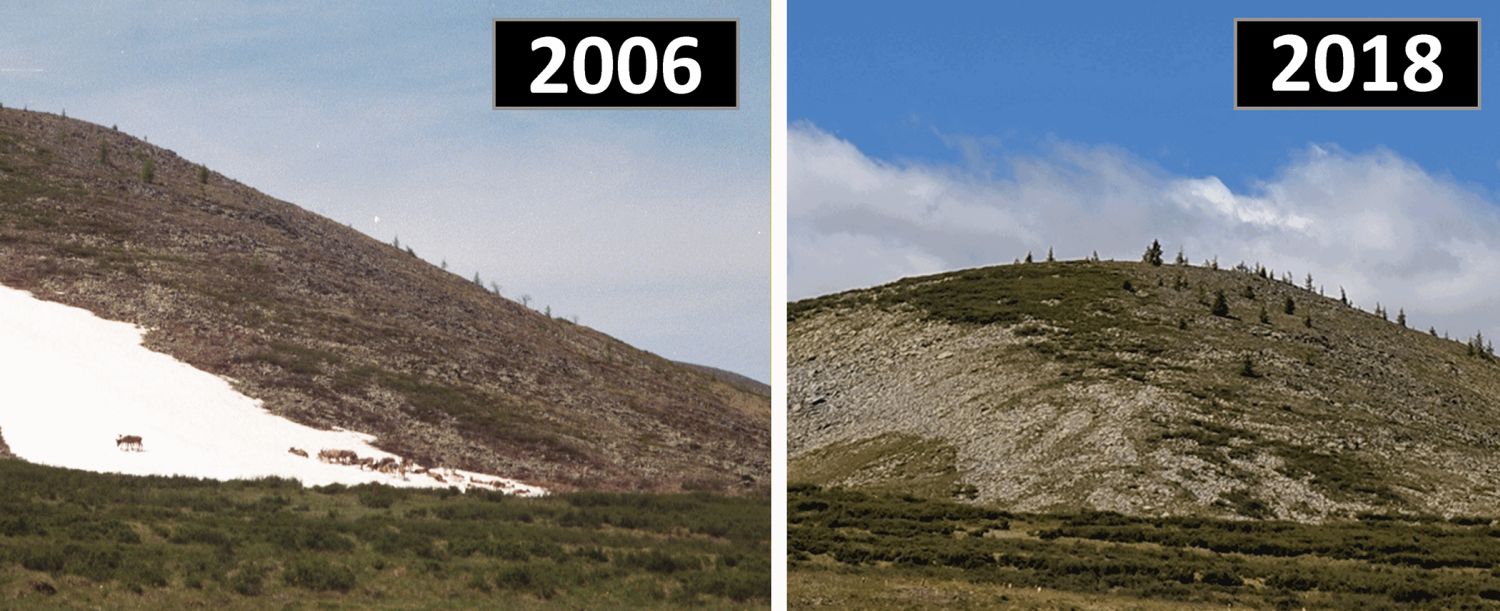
<point x="406" y="467"/>
<point x="388" y="464"/>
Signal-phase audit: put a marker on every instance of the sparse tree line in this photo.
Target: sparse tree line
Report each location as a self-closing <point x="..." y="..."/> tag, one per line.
<point x="147" y="174"/>
<point x="491" y="287"/>
<point x="1154" y="255"/>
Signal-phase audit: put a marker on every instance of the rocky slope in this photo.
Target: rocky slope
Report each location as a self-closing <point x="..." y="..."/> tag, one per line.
<point x="334" y="329"/>
<point x="1113" y="386"/>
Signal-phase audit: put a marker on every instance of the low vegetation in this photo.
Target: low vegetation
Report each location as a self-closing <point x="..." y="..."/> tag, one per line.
<point x="77" y="539"/>
<point x="924" y="550"/>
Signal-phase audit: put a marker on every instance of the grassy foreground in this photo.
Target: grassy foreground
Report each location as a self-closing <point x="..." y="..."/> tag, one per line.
<point x="77" y="539"/>
<point x="858" y="550"/>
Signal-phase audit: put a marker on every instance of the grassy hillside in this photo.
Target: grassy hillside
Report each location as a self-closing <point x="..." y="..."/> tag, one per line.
<point x="334" y="329"/>
<point x="71" y="539"/>
<point x="881" y="551"/>
<point x="1115" y="386"/>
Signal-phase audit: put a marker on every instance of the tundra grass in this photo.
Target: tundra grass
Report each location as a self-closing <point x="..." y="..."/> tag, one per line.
<point x="856" y="549"/>
<point x="72" y="539"/>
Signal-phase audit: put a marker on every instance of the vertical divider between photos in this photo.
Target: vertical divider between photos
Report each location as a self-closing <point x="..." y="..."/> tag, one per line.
<point x="778" y="304"/>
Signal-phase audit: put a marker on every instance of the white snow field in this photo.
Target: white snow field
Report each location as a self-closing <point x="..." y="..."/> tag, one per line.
<point x="71" y="383"/>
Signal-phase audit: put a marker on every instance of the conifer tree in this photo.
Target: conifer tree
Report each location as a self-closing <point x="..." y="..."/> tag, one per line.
<point x="1221" y="304"/>
<point x="1050" y="258"/>
<point x="1401" y="317"/>
<point x="1247" y="368"/>
<point x="1181" y="257"/>
<point x="1291" y="306"/>
<point x="1028" y="256"/>
<point x="1153" y="254"/>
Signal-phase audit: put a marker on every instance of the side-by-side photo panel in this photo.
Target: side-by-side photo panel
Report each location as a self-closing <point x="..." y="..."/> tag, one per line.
<point x="385" y="305"/>
<point x="1070" y="325"/>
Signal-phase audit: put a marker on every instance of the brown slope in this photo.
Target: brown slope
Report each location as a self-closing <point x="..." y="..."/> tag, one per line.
<point x="745" y="383"/>
<point x="330" y="327"/>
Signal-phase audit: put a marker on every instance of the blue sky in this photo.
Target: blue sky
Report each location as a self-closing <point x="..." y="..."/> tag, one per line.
<point x="1156" y="81"/>
<point x="649" y="225"/>
<point x="940" y="136"/>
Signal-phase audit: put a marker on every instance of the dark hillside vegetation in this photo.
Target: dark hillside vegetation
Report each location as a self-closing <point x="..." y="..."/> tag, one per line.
<point x="72" y="539"/>
<point x="924" y="551"/>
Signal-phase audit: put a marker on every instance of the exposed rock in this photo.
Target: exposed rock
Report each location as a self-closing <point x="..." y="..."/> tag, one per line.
<point x="1098" y="398"/>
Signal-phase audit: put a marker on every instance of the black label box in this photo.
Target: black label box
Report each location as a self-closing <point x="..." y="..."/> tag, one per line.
<point x="666" y="63"/>
<point x="1356" y="63"/>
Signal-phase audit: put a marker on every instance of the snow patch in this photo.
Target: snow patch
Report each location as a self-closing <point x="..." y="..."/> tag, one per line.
<point x="71" y="383"/>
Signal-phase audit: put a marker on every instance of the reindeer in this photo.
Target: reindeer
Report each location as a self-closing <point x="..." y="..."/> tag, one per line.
<point x="385" y="465"/>
<point x="342" y="457"/>
<point x="129" y="443"/>
<point x="434" y="475"/>
<point x="297" y="452"/>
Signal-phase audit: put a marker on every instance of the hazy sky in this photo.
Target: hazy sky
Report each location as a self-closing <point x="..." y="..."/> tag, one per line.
<point x="985" y="131"/>
<point x="648" y="225"/>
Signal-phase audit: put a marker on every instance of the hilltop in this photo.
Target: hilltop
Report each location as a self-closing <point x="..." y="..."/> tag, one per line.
<point x="1089" y="385"/>
<point x="333" y="329"/>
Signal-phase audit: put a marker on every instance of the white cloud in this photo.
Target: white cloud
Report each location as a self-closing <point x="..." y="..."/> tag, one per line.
<point x="1373" y="222"/>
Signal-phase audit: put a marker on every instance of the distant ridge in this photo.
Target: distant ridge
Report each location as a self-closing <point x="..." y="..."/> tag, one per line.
<point x="736" y="380"/>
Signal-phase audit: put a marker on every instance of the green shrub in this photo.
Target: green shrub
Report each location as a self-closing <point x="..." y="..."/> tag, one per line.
<point x="248" y="580"/>
<point x="314" y="573"/>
